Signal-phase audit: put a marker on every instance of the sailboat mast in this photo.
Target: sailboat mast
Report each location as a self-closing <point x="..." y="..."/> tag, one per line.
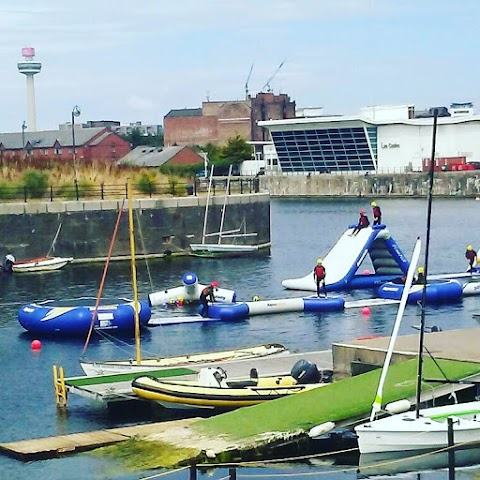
<point x="134" y="273"/>
<point x="205" y="218"/>
<point x="227" y="190"/>
<point x="427" y="249"/>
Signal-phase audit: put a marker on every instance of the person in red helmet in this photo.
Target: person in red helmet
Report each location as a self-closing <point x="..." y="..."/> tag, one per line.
<point x="363" y="222"/>
<point x="208" y="294"/>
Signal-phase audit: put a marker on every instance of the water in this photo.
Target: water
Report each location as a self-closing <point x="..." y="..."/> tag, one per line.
<point x="302" y="231"/>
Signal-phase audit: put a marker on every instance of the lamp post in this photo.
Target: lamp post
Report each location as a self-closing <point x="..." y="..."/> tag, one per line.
<point x="24" y="127"/>
<point x="75" y="113"/>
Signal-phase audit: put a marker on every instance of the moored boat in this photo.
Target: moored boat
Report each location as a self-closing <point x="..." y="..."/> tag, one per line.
<point x="45" y="319"/>
<point x="213" y="390"/>
<point x="40" y="264"/>
<point x="146" y="364"/>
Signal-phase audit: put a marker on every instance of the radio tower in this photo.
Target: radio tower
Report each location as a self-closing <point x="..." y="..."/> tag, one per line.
<point x="30" y="68"/>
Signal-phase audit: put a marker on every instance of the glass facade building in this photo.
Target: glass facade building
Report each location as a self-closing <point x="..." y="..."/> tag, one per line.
<point x="323" y="150"/>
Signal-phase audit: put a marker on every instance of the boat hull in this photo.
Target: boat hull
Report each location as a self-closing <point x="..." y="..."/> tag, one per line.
<point x="73" y="321"/>
<point x="192" y="395"/>
<point x="127" y="366"/>
<point x="405" y="432"/>
<point x="41" y="264"/>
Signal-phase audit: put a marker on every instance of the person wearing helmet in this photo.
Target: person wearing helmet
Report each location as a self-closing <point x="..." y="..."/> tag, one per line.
<point x="319" y="274"/>
<point x="420" y="280"/>
<point x="208" y="294"/>
<point x="377" y="213"/>
<point x="471" y="256"/>
<point x="363" y="222"/>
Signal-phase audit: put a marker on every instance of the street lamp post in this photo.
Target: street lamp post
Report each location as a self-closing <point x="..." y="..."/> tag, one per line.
<point x="75" y="113"/>
<point x="24" y="127"/>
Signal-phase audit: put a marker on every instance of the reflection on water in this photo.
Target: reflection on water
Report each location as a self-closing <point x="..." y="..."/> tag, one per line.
<point x="302" y="230"/>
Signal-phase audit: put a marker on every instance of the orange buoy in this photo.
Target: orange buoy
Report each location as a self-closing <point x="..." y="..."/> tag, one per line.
<point x="36" y="345"/>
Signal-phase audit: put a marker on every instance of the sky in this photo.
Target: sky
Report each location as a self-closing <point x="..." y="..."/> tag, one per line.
<point x="127" y="61"/>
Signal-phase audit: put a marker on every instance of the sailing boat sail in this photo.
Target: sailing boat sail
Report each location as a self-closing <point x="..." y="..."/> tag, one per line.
<point x="205" y="249"/>
<point x="423" y="428"/>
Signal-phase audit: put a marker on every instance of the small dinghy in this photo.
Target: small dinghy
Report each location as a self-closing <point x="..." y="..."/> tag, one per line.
<point x="213" y="390"/>
<point x="40" y="264"/>
<point x="46" y="319"/>
<point x="438" y="291"/>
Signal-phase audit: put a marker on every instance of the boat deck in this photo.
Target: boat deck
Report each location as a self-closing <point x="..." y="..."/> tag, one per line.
<point x="115" y="388"/>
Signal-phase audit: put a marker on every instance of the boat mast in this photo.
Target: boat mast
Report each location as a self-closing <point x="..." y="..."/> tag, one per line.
<point x="227" y="191"/>
<point x="205" y="218"/>
<point x="134" y="272"/>
<point x="427" y="248"/>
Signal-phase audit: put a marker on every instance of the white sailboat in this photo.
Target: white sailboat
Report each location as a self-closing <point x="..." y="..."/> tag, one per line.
<point x="220" y="249"/>
<point x="423" y="428"/>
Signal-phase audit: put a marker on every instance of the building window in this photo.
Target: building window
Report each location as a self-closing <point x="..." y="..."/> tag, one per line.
<point x="58" y="151"/>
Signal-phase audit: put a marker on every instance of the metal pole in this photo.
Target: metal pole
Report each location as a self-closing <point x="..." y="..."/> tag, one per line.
<point x="451" y="450"/>
<point x="75" y="179"/>
<point x="24" y="126"/>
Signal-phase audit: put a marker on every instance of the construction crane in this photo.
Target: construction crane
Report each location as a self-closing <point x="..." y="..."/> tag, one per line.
<point x="246" y="83"/>
<point x="267" y="85"/>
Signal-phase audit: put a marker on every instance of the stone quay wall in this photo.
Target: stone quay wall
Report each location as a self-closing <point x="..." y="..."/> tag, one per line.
<point x="448" y="184"/>
<point x="162" y="226"/>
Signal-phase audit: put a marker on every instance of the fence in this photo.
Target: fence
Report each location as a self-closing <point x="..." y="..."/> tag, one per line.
<point x="106" y="191"/>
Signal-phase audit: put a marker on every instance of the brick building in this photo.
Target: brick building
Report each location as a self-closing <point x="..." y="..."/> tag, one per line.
<point x="216" y="122"/>
<point x="93" y="144"/>
<point x="145" y="156"/>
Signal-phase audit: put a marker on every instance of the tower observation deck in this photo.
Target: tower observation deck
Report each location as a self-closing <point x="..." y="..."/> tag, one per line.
<point x="29" y="68"/>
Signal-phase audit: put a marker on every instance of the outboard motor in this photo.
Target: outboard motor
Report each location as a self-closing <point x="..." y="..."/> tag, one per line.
<point x="305" y="372"/>
<point x="7" y="265"/>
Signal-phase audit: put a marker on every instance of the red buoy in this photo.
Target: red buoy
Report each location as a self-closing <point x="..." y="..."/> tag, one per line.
<point x="36" y="345"/>
<point x="366" y="311"/>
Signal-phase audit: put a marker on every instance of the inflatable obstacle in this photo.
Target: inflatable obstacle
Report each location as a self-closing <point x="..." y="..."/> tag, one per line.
<point x="345" y="259"/>
<point x="188" y="292"/>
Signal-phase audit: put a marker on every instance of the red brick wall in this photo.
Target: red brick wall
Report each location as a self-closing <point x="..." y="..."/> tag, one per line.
<point x="185" y="156"/>
<point x="190" y="130"/>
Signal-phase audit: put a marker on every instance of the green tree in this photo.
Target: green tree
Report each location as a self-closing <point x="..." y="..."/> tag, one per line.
<point x="236" y="150"/>
<point x="36" y="183"/>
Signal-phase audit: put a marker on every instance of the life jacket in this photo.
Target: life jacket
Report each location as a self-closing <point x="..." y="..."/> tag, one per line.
<point x="364" y="222"/>
<point x="320" y="272"/>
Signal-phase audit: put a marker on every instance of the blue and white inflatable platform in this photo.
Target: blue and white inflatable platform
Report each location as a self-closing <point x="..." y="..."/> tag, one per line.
<point x="346" y="257"/>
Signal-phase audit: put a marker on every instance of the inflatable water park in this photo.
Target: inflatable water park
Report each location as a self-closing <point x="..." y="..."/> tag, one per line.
<point x="344" y="266"/>
<point x="344" y="263"/>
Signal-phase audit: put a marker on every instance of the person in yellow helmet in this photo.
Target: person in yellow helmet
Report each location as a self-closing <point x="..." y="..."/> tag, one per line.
<point x="471" y="256"/>
<point x="377" y="213"/>
<point x="421" y="276"/>
<point x="319" y="274"/>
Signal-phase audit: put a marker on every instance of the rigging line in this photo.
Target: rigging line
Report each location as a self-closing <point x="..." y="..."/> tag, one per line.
<point x="104" y="275"/>
<point x="436" y="363"/>
<point x="142" y="239"/>
<point x="54" y="240"/>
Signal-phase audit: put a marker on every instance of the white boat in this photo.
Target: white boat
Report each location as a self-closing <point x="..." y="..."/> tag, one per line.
<point x="40" y="264"/>
<point x="423" y="428"/>
<point x="129" y="365"/>
<point x="220" y="249"/>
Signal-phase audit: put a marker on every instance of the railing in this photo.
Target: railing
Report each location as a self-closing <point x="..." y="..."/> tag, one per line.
<point x="105" y="191"/>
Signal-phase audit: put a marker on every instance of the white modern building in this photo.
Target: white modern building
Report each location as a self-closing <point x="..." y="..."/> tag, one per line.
<point x="390" y="138"/>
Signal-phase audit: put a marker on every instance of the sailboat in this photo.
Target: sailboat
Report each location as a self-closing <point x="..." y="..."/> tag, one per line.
<point x="220" y="249"/>
<point x="421" y="429"/>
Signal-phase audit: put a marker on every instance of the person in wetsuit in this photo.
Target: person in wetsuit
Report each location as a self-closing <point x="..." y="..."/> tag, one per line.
<point x="471" y="256"/>
<point x="208" y="294"/>
<point x="319" y="274"/>
<point x="377" y="213"/>
<point x="363" y="222"/>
